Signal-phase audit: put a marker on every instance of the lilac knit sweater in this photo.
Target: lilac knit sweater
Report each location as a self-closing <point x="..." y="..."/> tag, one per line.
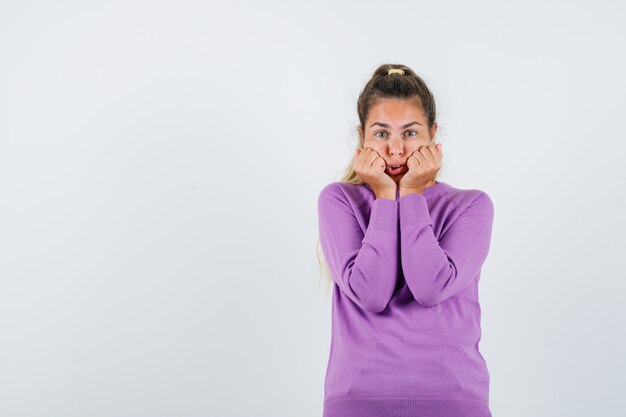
<point x="405" y="309"/>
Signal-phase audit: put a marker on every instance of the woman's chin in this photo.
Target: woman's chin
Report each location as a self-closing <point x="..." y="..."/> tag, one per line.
<point x="397" y="177"/>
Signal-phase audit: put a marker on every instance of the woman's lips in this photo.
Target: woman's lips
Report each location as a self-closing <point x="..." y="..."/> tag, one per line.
<point x="395" y="171"/>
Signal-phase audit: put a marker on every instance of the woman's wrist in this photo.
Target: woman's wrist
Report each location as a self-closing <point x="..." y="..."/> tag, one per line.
<point x="406" y="191"/>
<point x="389" y="193"/>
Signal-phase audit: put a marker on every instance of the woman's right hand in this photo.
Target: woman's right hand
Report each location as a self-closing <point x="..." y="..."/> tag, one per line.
<point x="370" y="167"/>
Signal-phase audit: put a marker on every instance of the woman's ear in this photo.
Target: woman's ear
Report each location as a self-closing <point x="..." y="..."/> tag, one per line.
<point x="433" y="131"/>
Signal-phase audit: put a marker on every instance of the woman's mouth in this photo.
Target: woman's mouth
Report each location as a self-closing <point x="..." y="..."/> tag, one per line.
<point x="395" y="169"/>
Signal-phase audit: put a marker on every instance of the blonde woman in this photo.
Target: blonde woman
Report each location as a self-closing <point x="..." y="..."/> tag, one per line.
<point x="404" y="251"/>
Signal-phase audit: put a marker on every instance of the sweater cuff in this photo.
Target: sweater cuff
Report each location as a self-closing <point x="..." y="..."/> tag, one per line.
<point x="384" y="214"/>
<point x="414" y="210"/>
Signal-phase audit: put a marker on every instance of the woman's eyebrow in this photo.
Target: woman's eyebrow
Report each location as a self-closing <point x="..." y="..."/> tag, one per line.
<point x="387" y="126"/>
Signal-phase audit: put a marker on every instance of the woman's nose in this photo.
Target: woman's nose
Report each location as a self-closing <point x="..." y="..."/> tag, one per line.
<point x="396" y="147"/>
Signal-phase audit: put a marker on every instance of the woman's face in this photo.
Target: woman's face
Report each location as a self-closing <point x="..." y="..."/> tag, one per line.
<point x="395" y="128"/>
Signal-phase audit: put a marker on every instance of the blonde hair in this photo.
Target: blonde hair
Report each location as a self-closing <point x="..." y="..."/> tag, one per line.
<point x="383" y="84"/>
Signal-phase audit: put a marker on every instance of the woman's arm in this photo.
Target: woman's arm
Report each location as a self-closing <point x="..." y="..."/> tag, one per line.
<point x="365" y="266"/>
<point x="436" y="270"/>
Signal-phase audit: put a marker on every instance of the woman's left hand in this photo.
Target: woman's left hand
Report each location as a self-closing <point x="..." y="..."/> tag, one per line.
<point x="423" y="164"/>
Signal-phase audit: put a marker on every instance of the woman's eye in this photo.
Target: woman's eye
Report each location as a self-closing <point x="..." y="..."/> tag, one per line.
<point x="411" y="133"/>
<point x="414" y="133"/>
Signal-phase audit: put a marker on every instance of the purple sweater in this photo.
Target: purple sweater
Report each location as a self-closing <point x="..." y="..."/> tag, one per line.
<point x="405" y="309"/>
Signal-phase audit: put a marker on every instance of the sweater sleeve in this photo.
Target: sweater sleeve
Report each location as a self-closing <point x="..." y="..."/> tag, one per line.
<point x="436" y="270"/>
<point x="364" y="265"/>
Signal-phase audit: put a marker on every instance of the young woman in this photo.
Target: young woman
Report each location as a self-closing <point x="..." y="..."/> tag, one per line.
<point x="404" y="252"/>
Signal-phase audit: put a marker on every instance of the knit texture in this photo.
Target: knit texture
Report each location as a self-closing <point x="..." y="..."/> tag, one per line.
<point x="405" y="309"/>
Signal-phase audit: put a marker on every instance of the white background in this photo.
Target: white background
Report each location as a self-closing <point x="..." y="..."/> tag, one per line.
<point x="160" y="164"/>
